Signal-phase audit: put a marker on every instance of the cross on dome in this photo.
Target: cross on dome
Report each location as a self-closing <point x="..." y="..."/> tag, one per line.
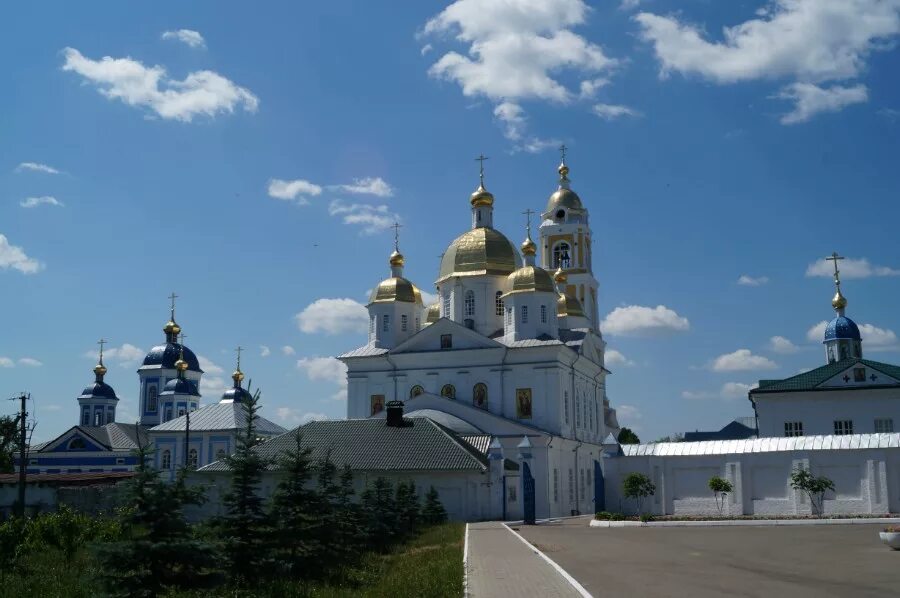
<point x="172" y="298"/>
<point x="838" y="302"/>
<point x="480" y="159"/>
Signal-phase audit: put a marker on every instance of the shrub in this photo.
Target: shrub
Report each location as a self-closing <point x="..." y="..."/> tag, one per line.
<point x="721" y="488"/>
<point x="603" y="515"/>
<point x="627" y="436"/>
<point x="814" y="488"/>
<point x="638" y="486"/>
<point x="646" y="517"/>
<point x="617" y="517"/>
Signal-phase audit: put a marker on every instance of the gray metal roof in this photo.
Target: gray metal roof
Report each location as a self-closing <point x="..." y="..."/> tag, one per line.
<point x="762" y="445"/>
<point x="372" y="445"/>
<point x="460" y="426"/>
<point x="364" y="351"/>
<point x="219" y="416"/>
<point x="114" y="436"/>
<point x="481" y="442"/>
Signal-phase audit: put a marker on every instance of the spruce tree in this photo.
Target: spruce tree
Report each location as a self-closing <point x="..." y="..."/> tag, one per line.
<point x="433" y="513"/>
<point x="294" y="513"/>
<point x="345" y="523"/>
<point x="244" y="528"/>
<point x="380" y="513"/>
<point x="159" y="550"/>
<point x="408" y="509"/>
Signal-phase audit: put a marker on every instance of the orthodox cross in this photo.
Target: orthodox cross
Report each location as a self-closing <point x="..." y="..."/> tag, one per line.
<point x="481" y="158"/>
<point x="528" y="214"/>
<point x="181" y="338"/>
<point x="238" y="351"/>
<point x="834" y="257"/>
<point x="101" y="342"/>
<point x="173" y="297"/>
<point x="396" y="226"/>
<point x="562" y="151"/>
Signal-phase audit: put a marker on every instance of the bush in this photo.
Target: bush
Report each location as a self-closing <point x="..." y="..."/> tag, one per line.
<point x="603" y="515"/>
<point x="617" y="517"/>
<point x="721" y="488"/>
<point x="638" y="486"/>
<point x="646" y="517"/>
<point x="627" y="436"/>
<point x="814" y="487"/>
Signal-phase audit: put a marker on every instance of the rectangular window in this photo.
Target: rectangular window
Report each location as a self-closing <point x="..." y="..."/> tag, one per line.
<point x="843" y="427"/>
<point x="581" y="484"/>
<point x="566" y="404"/>
<point x="403" y="323"/>
<point x="571" y="485"/>
<point x="120" y="461"/>
<point x="372" y="325"/>
<point x="418" y="326"/>
<point x="446" y="341"/>
<point x="385" y="322"/>
<point x="511" y="493"/>
<point x="859" y="374"/>
<point x="524" y="314"/>
<point x="543" y="314"/>
<point x="32" y="461"/>
<point x="793" y="428"/>
<point x="447" y="300"/>
<point x="555" y="485"/>
<point x="884" y="425"/>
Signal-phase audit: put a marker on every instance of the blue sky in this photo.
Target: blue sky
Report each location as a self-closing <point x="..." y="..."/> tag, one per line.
<point x="251" y="159"/>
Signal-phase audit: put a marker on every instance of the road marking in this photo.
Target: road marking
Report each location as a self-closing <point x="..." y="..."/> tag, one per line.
<point x="572" y="581"/>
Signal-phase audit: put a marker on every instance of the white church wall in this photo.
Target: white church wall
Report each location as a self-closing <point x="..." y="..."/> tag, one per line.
<point x="818" y="410"/>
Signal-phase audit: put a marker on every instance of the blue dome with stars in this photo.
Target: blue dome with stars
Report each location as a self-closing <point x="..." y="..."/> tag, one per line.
<point x="166" y="356"/>
<point x="842" y="327"/>
<point x="180" y="386"/>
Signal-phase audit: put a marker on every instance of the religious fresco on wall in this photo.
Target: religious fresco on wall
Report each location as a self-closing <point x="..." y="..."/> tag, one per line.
<point x="523" y="403"/>
<point x="448" y="391"/>
<point x="377" y="404"/>
<point x="479" y="395"/>
<point x="416" y="391"/>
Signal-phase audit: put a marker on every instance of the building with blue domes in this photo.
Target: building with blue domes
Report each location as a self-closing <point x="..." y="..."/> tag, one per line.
<point x="848" y="395"/>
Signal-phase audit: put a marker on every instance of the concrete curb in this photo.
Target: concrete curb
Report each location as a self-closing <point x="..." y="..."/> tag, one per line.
<point x="746" y="522"/>
<point x="466" y="563"/>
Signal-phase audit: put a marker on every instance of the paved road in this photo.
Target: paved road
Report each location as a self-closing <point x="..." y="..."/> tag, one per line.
<point x="796" y="561"/>
<point x="501" y="566"/>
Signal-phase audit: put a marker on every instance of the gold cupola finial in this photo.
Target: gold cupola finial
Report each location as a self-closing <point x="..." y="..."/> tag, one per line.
<point x="171" y="328"/>
<point x="563" y="168"/>
<point x="100" y="369"/>
<point x="838" y="302"/>
<point x="481" y="196"/>
<point x="397" y="260"/>
<point x="238" y="375"/>
<point x="529" y="249"/>
<point x="559" y="276"/>
<point x="181" y="365"/>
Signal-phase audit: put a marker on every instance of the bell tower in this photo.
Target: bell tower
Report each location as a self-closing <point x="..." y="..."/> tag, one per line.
<point x="565" y="235"/>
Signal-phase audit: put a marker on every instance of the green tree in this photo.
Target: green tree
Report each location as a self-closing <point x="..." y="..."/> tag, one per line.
<point x="294" y="512"/>
<point x="814" y="487"/>
<point x="721" y="489"/>
<point x="9" y="442"/>
<point x="13" y="533"/>
<point x="627" y="436"/>
<point x="380" y="514"/>
<point x="158" y="550"/>
<point x="433" y="513"/>
<point x="65" y="530"/>
<point x="638" y="486"/>
<point x="408" y="509"/>
<point x="245" y="526"/>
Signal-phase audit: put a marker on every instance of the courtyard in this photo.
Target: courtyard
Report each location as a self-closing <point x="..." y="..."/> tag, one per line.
<point x="796" y="561"/>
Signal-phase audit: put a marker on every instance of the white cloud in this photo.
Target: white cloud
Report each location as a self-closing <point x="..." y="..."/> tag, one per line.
<point x="613" y="357"/>
<point x="287" y="350"/>
<point x="188" y="36"/>
<point x="36" y="167"/>
<point x="750" y="281"/>
<point x="512" y="120"/>
<point x="296" y="190"/>
<point x="810" y="100"/>
<point x="291" y="417"/>
<point x="629" y="4"/>
<point x="323" y="369"/>
<point x="12" y="256"/>
<point x="371" y="219"/>
<point x="43" y="200"/>
<point x="6" y="362"/>
<point x="809" y="41"/>
<point x="213" y="382"/>
<point x="638" y="320"/>
<point x="426" y="49"/>
<point x="729" y="391"/>
<point x="30" y="362"/>
<point x="427" y="298"/>
<point x="200" y="93"/>
<point x="779" y="344"/>
<point x="879" y="338"/>
<point x="264" y="351"/>
<point x="589" y="87"/>
<point x="333" y="316"/>
<point x="850" y="268"/>
<point x="209" y="367"/>
<point x="628" y="413"/>
<point x="368" y="186"/>
<point x="741" y="360"/>
<point x="817" y="332"/>
<point x="613" y="111"/>
<point x="51" y="407"/>
<point x="125" y="355"/>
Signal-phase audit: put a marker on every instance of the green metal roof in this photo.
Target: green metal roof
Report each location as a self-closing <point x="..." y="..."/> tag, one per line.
<point x="812" y="379"/>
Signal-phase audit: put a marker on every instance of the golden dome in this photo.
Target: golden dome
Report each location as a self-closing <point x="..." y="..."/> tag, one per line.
<point x="418" y="295"/>
<point x="433" y="314"/>
<point x="100" y="369"/>
<point x="560" y="276"/>
<point x="529" y="278"/>
<point x="481" y="197"/>
<point x="566" y="305"/>
<point x="478" y="252"/>
<point x="396" y="259"/>
<point x="172" y="328"/>
<point x="563" y="171"/>
<point x="838" y="301"/>
<point x="181" y="365"/>
<point x="237" y="376"/>
<point x="528" y="247"/>
<point x="564" y="198"/>
<point x="395" y="289"/>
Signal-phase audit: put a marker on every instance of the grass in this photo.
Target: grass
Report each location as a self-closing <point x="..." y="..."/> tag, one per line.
<point x="429" y="565"/>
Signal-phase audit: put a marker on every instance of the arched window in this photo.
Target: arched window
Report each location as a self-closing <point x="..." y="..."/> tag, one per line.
<point x="86" y="417"/>
<point x="109" y="417"/>
<point x="192" y="458"/>
<point x="543" y="314"/>
<point x="416" y="391"/>
<point x="561" y="255"/>
<point x="98" y="418"/>
<point x="498" y="302"/>
<point x="509" y="316"/>
<point x="77" y="444"/>
<point x="220" y="454"/>
<point x="524" y="314"/>
<point x="448" y="391"/>
<point x="470" y="303"/>
<point x="418" y="326"/>
<point x="403" y="323"/>
<point x="372" y="325"/>
<point x="447" y="300"/>
<point x="166" y="459"/>
<point x="151" y="399"/>
<point x="480" y="396"/>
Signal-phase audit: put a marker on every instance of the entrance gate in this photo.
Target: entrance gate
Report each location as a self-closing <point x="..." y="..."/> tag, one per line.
<point x="528" y="494"/>
<point x="599" y="488"/>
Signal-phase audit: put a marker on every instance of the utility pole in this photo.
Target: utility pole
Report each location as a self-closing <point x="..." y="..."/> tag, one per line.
<point x="23" y="457"/>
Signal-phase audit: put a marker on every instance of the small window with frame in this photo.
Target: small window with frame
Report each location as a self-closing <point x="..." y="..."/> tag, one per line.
<point x="446" y="341"/>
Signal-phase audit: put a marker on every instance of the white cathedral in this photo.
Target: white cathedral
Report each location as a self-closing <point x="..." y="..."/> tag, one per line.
<point x="511" y="350"/>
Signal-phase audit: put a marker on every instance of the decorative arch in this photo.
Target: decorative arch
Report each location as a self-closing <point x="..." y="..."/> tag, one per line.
<point x="192" y="458"/>
<point x="469" y="303"/>
<point x="166" y="462"/>
<point x="480" y="395"/>
<point x="77" y="444"/>
<point x="562" y="255"/>
<point x="448" y="391"/>
<point x="416" y="391"/>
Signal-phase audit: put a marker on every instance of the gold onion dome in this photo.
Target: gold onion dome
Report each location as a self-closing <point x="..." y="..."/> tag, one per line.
<point x="528" y="247"/>
<point x="237" y="376"/>
<point x="395" y="289"/>
<point x="181" y="365"/>
<point x="566" y="305"/>
<point x="478" y="252"/>
<point x="396" y="259"/>
<point x="433" y="314"/>
<point x="560" y="276"/>
<point x="481" y="197"/>
<point x="530" y="278"/>
<point x="172" y="328"/>
<point x="100" y="369"/>
<point x="838" y="301"/>
<point x="564" y="197"/>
